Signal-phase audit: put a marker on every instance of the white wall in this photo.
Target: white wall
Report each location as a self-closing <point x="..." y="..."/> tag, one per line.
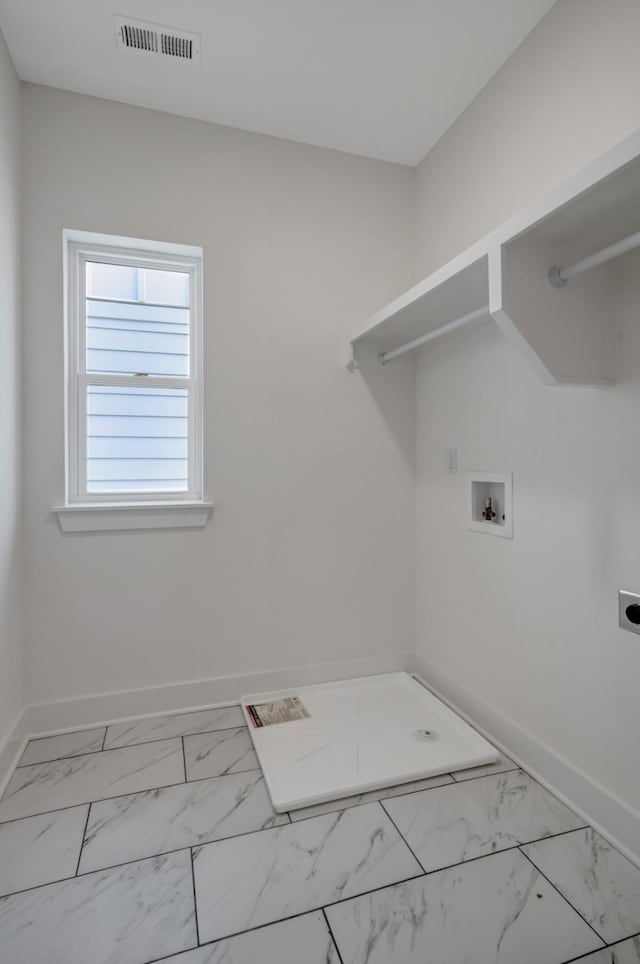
<point x="312" y="469"/>
<point x="10" y="517"/>
<point x="568" y="93"/>
<point x="529" y="627"/>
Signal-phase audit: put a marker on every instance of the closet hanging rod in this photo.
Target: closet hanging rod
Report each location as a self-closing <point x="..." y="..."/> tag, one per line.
<point x="560" y="276"/>
<point x="477" y="315"/>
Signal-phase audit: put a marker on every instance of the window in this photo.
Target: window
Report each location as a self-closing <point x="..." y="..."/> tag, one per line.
<point x="134" y="410"/>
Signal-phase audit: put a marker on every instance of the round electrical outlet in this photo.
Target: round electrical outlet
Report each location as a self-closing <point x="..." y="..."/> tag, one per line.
<point x="632" y="613"/>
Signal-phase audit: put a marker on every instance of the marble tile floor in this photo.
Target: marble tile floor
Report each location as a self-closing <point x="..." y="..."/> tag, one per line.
<point x="156" y="841"/>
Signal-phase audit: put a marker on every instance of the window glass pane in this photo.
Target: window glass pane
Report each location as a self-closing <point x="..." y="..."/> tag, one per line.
<point x="112" y="281"/>
<point x="131" y="337"/>
<point x="166" y="287"/>
<point x="137" y="439"/>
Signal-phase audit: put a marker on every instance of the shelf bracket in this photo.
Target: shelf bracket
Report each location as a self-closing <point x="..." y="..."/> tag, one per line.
<point x="350" y="360"/>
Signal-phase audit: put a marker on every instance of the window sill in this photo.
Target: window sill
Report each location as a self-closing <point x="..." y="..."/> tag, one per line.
<point x="110" y="516"/>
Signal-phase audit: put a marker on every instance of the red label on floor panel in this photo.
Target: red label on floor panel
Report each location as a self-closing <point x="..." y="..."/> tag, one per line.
<point x="286" y="710"/>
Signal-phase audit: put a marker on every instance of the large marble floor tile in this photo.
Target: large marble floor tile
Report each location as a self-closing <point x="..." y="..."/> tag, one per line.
<point x="332" y="805"/>
<point x="302" y="940"/>
<point x="279" y="873"/>
<point x="628" y="952"/>
<point x="497" y="910"/>
<point x="165" y="727"/>
<point x="501" y="765"/>
<point x="600" y="883"/>
<point x="142" y="824"/>
<point x="214" y="754"/>
<point x="38" y="850"/>
<point x="465" y="820"/>
<point x="127" y="915"/>
<point x="65" y="744"/>
<point x="82" y="779"/>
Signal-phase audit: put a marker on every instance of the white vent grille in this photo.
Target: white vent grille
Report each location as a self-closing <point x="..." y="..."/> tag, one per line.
<point x="176" y="46"/>
<point x="157" y="41"/>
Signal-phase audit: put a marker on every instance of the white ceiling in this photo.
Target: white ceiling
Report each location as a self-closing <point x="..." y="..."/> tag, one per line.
<point x="383" y="78"/>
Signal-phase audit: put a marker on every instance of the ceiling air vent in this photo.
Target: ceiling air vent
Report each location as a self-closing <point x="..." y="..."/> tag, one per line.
<point x="157" y="41"/>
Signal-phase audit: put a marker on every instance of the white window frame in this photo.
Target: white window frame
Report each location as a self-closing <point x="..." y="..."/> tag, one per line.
<point x="81" y="508"/>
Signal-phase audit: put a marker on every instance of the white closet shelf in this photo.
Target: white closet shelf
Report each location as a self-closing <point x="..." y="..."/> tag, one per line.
<point x="456" y="289"/>
<point x="542" y="276"/>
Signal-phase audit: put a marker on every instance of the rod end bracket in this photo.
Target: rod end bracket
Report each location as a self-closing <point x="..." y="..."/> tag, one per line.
<point x="555" y="278"/>
<point x="350" y="360"/>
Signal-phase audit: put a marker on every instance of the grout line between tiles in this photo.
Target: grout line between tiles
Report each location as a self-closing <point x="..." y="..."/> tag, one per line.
<point x="176" y="850"/>
<point x="48" y="883"/>
<point x="167" y="786"/>
<point x="127" y="746"/>
<point x="452" y="783"/>
<point x="401" y="835"/>
<point x="607" y="947"/>
<point x="109" y="749"/>
<point x="218" y="776"/>
<point x="250" y="833"/>
<point x="485" y="776"/>
<point x="453" y="779"/>
<point x="90" y="803"/>
<point x="117" y="796"/>
<point x="249" y="930"/>
<point x="82" y="839"/>
<point x="180" y="736"/>
<point x="195" y="899"/>
<point x="363" y="803"/>
<point x="558" y="891"/>
<point x="551" y="836"/>
<point x="504" y="850"/>
<point x="175" y="954"/>
<point x="471" y="860"/>
<point x="57" y="759"/>
<point x="98" y="870"/>
<point x="159" y="739"/>
<point x="30" y="816"/>
<point x="283" y="920"/>
<point x="337" y="902"/>
<point x="430" y="873"/>
<point x="332" y="936"/>
<point x="440" y="786"/>
<point x="184" y="759"/>
<point x="302" y="913"/>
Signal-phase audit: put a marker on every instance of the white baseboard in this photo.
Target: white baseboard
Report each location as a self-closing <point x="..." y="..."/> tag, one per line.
<point x="39" y="719"/>
<point x="614" y="819"/>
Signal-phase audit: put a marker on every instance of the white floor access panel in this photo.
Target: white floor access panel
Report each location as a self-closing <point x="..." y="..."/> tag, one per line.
<point x="318" y="743"/>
